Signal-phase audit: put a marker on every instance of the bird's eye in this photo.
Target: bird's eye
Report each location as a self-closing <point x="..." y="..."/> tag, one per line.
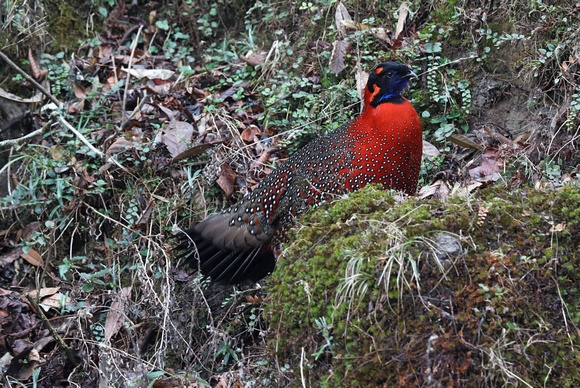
<point x="390" y="73"/>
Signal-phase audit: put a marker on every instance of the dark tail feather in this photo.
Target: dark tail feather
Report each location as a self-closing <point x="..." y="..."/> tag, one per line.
<point x="230" y="267"/>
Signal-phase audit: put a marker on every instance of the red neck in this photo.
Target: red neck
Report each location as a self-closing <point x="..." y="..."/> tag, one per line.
<point x="388" y="114"/>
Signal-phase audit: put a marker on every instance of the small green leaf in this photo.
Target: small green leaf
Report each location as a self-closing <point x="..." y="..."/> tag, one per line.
<point x="162" y="24"/>
<point x="156" y="374"/>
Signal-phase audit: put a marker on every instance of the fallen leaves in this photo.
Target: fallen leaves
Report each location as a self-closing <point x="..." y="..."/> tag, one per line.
<point x="253" y="58"/>
<point x="464" y="141"/>
<point x="177" y="134"/>
<point x="32" y="257"/>
<point x="227" y="179"/>
<point x="338" y="54"/>
<point x="116" y="316"/>
<point x="403" y="13"/>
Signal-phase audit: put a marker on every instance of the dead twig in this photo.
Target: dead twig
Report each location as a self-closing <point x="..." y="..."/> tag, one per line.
<point x="82" y="138"/>
<point x="30" y="79"/>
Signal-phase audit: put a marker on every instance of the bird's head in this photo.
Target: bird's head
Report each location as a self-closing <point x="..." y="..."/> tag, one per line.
<point x="386" y="83"/>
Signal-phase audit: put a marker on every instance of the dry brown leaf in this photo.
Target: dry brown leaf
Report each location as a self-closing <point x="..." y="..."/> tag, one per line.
<point x="227" y="179"/>
<point x="30" y="229"/>
<point x="438" y="189"/>
<point x="150" y="73"/>
<point x="42" y="342"/>
<point x="109" y="83"/>
<point x="260" y="163"/>
<point x="205" y="123"/>
<point x="76" y="107"/>
<point x="361" y="82"/>
<point x="176" y="136"/>
<point x="55" y="301"/>
<point x="464" y="141"/>
<point x="354" y="25"/>
<point x="144" y="217"/>
<point x="105" y="50"/>
<point x="33" y="258"/>
<point x="557" y="228"/>
<point x="33" y="356"/>
<point x="21" y="346"/>
<point x="338" y="55"/>
<point x="229" y="92"/>
<point x="377" y="32"/>
<point x="472" y="186"/>
<point x="380" y="33"/>
<point x="116" y="314"/>
<point x="429" y="150"/>
<point x="249" y="134"/>
<point x="37" y="73"/>
<point x="10" y="256"/>
<point x="497" y="136"/>
<point x="488" y="169"/>
<point x="44" y="292"/>
<point x="79" y="90"/>
<point x="341" y="15"/>
<point x="161" y="90"/>
<point x="195" y="150"/>
<point x="56" y="152"/>
<point x="253" y="59"/>
<point x="198" y="93"/>
<point x="126" y="59"/>
<point x="12" y="97"/>
<point x="167" y="112"/>
<point x="121" y="145"/>
<point x="4" y="292"/>
<point x="403" y="13"/>
<point x="222" y="382"/>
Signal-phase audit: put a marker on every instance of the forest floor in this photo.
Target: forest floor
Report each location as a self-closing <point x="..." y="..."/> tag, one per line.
<point x="164" y="113"/>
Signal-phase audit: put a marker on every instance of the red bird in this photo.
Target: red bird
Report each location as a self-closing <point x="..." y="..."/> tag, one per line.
<point x="383" y="145"/>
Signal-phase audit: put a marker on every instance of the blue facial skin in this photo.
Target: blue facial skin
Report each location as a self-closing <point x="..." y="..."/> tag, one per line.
<point x="395" y="89"/>
<point x="391" y="81"/>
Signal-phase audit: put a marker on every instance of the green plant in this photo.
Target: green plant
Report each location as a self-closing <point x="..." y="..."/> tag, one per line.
<point x="57" y="72"/>
<point x="68" y="264"/>
<point x="208" y="22"/>
<point x="552" y="170"/>
<point x="450" y="91"/>
<point x="572" y="119"/>
<point x="98" y="331"/>
<point x="325" y="329"/>
<point x="226" y="351"/>
<point x="429" y="167"/>
<point x="175" y="44"/>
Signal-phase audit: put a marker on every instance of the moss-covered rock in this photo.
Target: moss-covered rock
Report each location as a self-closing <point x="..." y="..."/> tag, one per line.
<point x="363" y="298"/>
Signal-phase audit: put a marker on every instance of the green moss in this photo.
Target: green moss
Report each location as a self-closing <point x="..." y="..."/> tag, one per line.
<point x="66" y="24"/>
<point x="503" y="297"/>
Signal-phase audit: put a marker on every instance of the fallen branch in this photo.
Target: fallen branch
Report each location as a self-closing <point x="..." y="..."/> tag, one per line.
<point x="30" y="79"/>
